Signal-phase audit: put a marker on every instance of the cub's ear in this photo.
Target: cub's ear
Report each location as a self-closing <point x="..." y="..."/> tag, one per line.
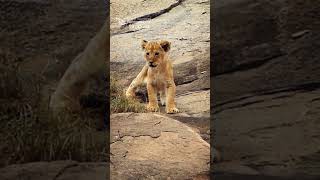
<point x="143" y="44"/>
<point x="166" y="45"/>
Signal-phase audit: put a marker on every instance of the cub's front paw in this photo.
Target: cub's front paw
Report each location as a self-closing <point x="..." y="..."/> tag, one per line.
<point x="130" y="94"/>
<point x="172" y="110"/>
<point x="152" y="107"/>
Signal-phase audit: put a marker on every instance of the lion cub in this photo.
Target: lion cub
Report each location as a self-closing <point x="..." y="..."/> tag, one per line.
<point x="157" y="73"/>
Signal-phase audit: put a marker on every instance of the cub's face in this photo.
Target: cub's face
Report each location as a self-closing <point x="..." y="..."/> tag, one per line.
<point x="154" y="51"/>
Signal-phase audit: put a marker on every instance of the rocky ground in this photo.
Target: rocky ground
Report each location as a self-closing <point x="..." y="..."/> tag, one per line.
<point x="266" y="87"/>
<point x="157" y="145"/>
<point x="167" y="147"/>
<point x="153" y="146"/>
<point x="62" y="170"/>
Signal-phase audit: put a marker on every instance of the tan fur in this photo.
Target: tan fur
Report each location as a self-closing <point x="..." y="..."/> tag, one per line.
<point x="90" y="62"/>
<point x="159" y="78"/>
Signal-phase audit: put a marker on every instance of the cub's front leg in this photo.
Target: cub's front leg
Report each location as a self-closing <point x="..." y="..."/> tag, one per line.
<point x="130" y="93"/>
<point x="152" y="96"/>
<point x="171" y="93"/>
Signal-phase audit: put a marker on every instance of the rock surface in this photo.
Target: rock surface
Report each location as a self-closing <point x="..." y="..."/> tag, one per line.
<point x="266" y="86"/>
<point x="195" y="103"/>
<point x="152" y="146"/>
<point x="170" y="148"/>
<point x="57" y="170"/>
<point x="185" y="23"/>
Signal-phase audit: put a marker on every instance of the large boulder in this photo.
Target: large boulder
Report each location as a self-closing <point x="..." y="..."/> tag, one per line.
<point x="185" y="23"/>
<point x="152" y="146"/>
<point x="276" y="134"/>
<point x="266" y="86"/>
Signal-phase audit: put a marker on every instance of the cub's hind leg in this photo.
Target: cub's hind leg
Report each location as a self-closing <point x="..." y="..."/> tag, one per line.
<point x="162" y="97"/>
<point x="130" y="93"/>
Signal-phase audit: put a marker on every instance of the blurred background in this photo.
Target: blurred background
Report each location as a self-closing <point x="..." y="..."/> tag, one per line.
<point x="265" y="84"/>
<point x="38" y="41"/>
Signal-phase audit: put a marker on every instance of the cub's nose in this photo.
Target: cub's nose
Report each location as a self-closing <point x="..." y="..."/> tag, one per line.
<point x="152" y="65"/>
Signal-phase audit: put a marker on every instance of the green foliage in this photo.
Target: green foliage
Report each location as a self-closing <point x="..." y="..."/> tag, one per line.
<point x="118" y="101"/>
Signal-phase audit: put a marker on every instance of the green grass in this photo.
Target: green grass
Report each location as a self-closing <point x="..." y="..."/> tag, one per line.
<point x="118" y="101"/>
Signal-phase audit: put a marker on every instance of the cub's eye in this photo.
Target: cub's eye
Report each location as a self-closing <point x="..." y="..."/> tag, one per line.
<point x="147" y="54"/>
<point x="157" y="53"/>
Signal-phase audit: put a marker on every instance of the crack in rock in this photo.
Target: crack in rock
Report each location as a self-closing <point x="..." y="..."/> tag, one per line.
<point x="152" y="15"/>
<point x="282" y="125"/>
<point x="134" y="136"/>
<point x="238" y="106"/>
<point x="250" y="65"/>
<point x="306" y="87"/>
<point x="125" y="32"/>
<point x="203" y="2"/>
<point x="64" y="169"/>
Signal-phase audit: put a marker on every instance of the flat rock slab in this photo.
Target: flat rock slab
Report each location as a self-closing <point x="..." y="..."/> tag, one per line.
<point x="276" y="134"/>
<point x="266" y="86"/>
<point x="58" y="170"/>
<point x="125" y="11"/>
<point x="195" y="103"/>
<point x="152" y="146"/>
<point x="185" y="23"/>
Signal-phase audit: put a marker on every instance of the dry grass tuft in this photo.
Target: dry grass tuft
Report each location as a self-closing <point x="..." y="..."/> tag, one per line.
<point x="30" y="133"/>
<point x="118" y="101"/>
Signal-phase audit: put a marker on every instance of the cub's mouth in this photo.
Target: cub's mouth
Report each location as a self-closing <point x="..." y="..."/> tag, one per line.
<point x="152" y="65"/>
